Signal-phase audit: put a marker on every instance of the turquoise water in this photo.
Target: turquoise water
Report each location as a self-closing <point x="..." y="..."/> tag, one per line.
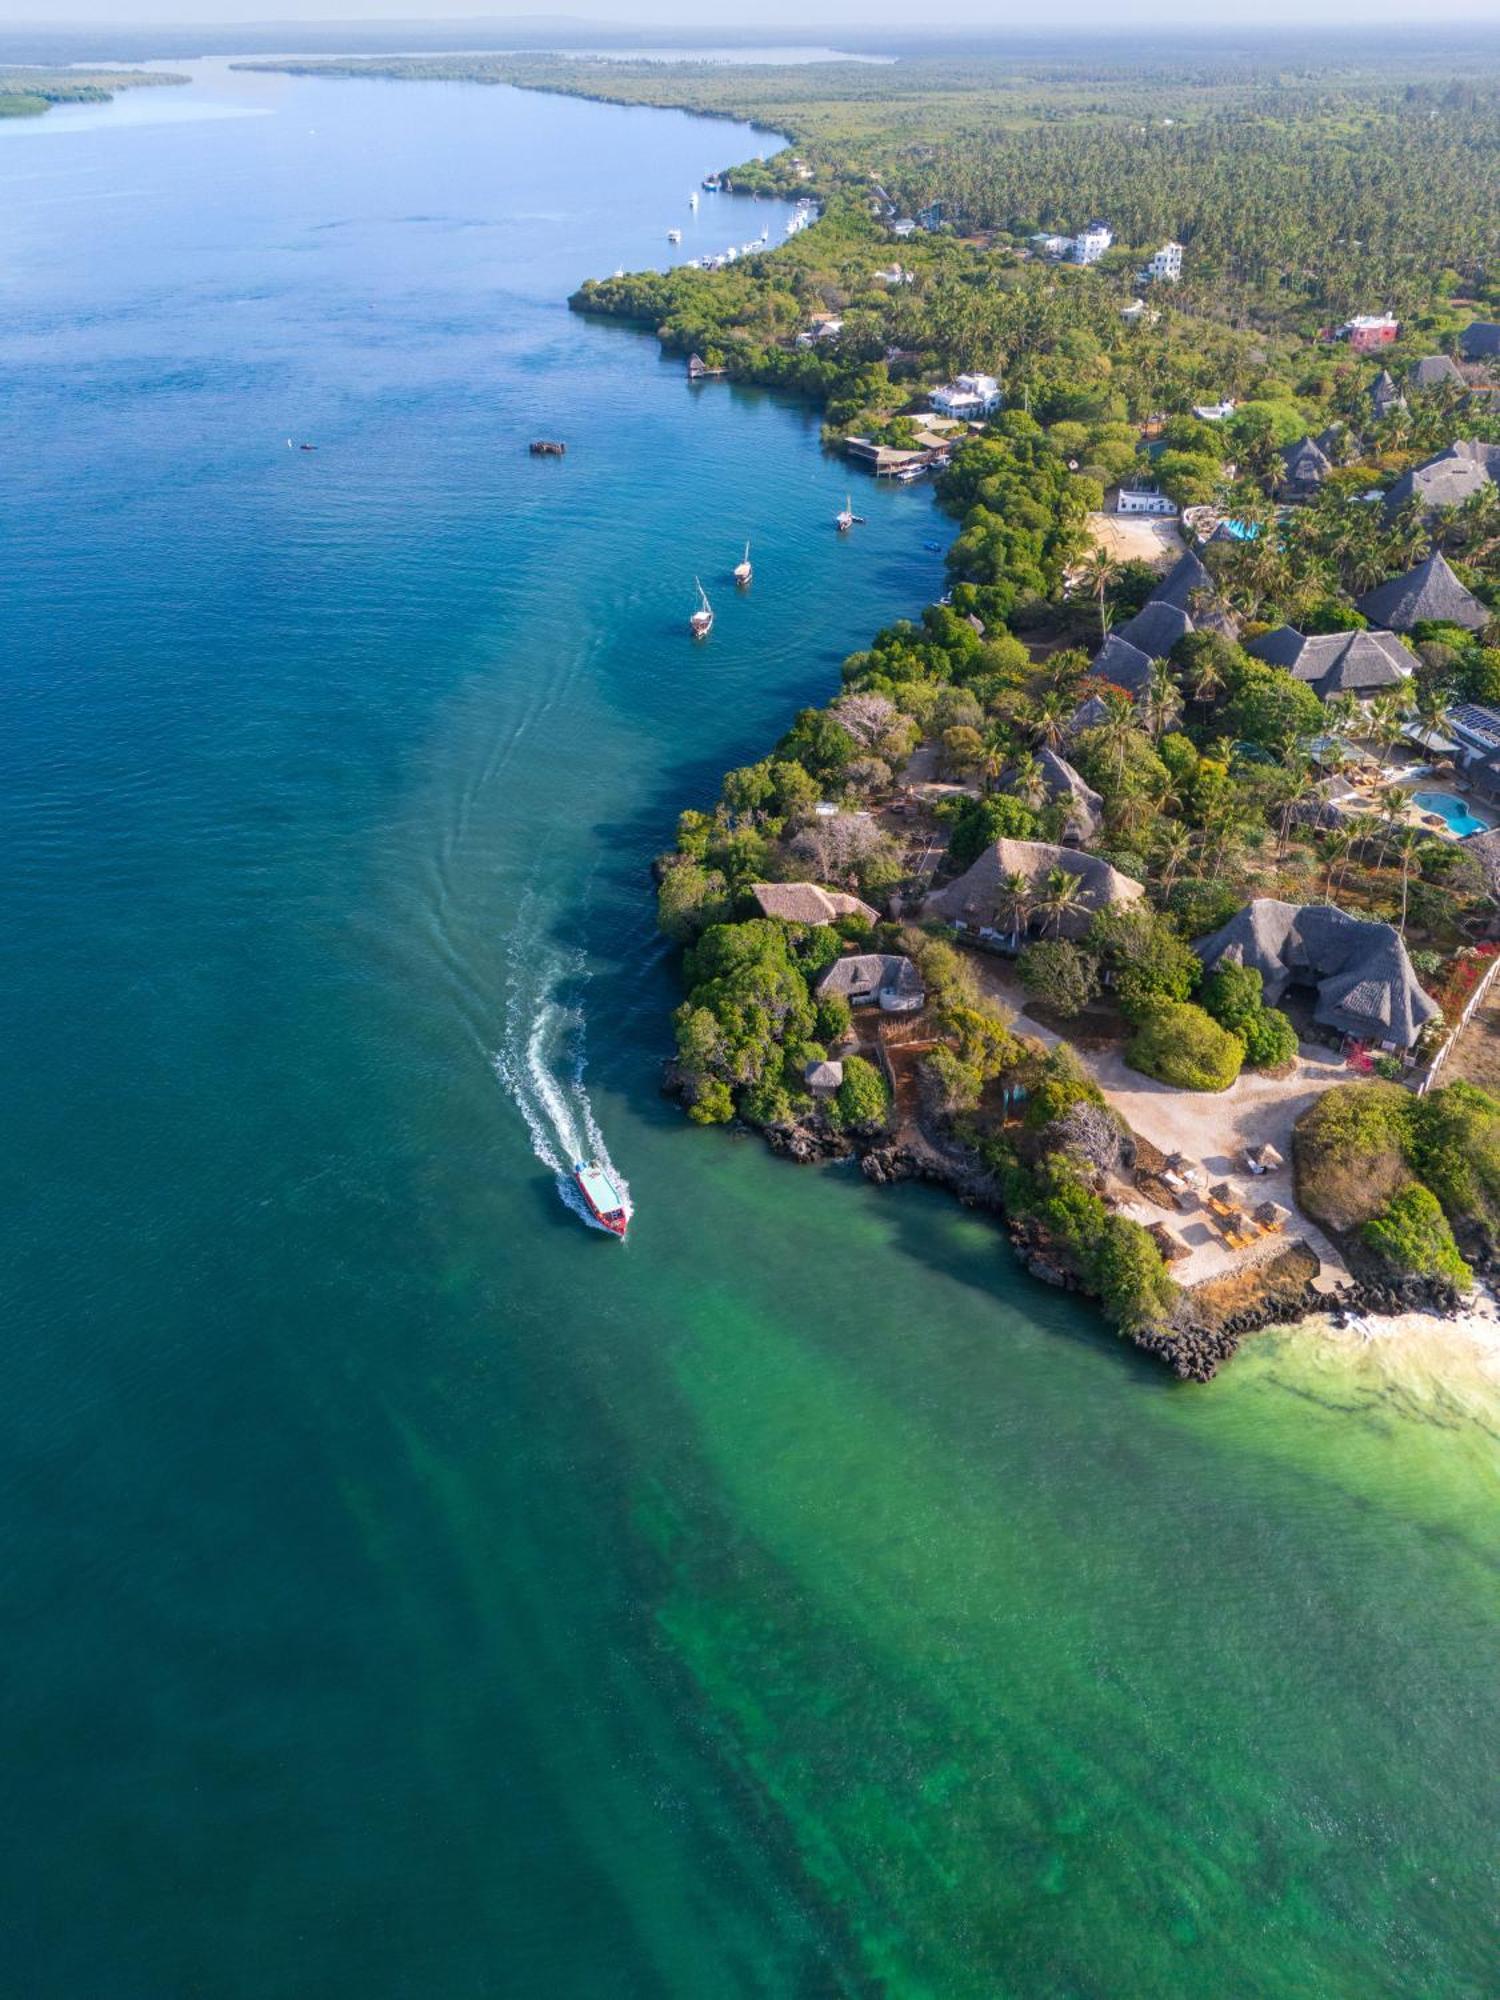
<point x="1461" y="817"/>
<point x="409" y="1591"/>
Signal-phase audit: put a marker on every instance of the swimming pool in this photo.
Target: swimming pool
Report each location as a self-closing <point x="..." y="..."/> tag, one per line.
<point x="1461" y="817"/>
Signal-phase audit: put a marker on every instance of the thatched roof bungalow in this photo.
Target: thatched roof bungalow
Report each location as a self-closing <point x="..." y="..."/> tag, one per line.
<point x="1364" y="982"/>
<point x="875" y="979"/>
<point x="984" y="901"/>
<point x="806" y="903"/>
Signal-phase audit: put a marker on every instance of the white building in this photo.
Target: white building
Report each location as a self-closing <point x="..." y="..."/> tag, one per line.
<point x="1090" y="244"/>
<point x="1164" y="266"/>
<point x="1051" y="246"/>
<point x="967" y="397"/>
<point x="1143" y="500"/>
<point x="1213" y="413"/>
<point x="824" y="326"/>
<point x="897" y="274"/>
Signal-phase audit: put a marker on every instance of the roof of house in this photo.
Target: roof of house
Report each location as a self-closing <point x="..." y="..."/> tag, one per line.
<point x="1086" y="808"/>
<point x="1448" y="478"/>
<point x="1305" y="463"/>
<point x="1337" y="439"/>
<point x="1188" y="585"/>
<point x="979" y="896"/>
<point x="1485" y="848"/>
<point x="872" y="971"/>
<point x="1480" y="340"/>
<point x="823" y="1075"/>
<point x="806" y="903"/>
<point x="1156" y="628"/>
<point x="1185" y="576"/>
<point x="1123" y="665"/>
<point x="1385" y="395"/>
<point x="1088" y="715"/>
<point x="1365" y="982"/>
<point x="1337" y="662"/>
<point x="1432" y="371"/>
<point x="1431" y="590"/>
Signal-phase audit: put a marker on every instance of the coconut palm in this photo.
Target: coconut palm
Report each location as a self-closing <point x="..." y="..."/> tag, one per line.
<point x="1173" y="846"/>
<point x="1098" y="574"/>
<point x="1409" y="847"/>
<point x="1061" y="891"/>
<point x="1050" y="716"/>
<point x="1163" y="698"/>
<point x="1028" y="782"/>
<point x="1018" y="898"/>
<point x="1338" y="846"/>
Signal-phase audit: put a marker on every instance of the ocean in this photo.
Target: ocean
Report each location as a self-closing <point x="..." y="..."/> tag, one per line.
<point x="409" y="1590"/>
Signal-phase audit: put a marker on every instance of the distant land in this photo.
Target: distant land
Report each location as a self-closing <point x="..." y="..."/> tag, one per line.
<point x="28" y="93"/>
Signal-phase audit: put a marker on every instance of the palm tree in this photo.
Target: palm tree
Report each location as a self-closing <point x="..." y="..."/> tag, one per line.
<point x="1411" y="842"/>
<point x="1432" y="707"/>
<point x="1338" y="845"/>
<point x="1173" y="846"/>
<point x="1049" y="718"/>
<point x="1027" y="781"/>
<point x="1300" y="788"/>
<point x="1098" y="574"/>
<point x="1062" y="891"/>
<point x="1018" y="897"/>
<point x="1118" y="726"/>
<point x="1207" y="676"/>
<point x="992" y="766"/>
<point x="1393" y="804"/>
<point x="1163" y="700"/>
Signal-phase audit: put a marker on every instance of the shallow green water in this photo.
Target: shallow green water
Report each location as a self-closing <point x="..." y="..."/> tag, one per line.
<point x="409" y="1591"/>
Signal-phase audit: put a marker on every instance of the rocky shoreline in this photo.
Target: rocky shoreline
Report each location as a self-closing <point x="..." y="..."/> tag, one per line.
<point x="1190" y="1346"/>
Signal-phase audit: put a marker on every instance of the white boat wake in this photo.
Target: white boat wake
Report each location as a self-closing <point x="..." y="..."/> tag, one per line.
<point x="542" y="1064"/>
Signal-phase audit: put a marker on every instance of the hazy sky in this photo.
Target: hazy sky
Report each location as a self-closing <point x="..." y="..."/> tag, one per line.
<point x="740" y="15"/>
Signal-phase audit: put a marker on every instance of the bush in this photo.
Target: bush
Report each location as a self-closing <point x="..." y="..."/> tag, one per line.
<point x="1413" y="1235"/>
<point x="1151" y="964"/>
<point x="833" y="1019"/>
<point x="862" y="1100"/>
<point x="953" y="1084"/>
<point x="1059" y="974"/>
<point x="1063" y="1083"/>
<point x="1232" y="994"/>
<point x="1132" y="1280"/>
<point x="1179" y="1044"/>
<point x="690" y="899"/>
<point x="1270" y="1039"/>
<point x="979" y="823"/>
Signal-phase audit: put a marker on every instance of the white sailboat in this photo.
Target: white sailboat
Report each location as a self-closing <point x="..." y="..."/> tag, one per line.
<point x="693" y="199"/>
<point x="845" y="518"/>
<point x="702" y="621"/>
<point x="742" y="570"/>
<point x="674" y="235"/>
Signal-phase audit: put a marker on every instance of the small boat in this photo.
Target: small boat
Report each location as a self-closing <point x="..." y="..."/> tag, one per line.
<point x="702" y="621"/>
<point x="547" y="448"/>
<point x="605" y="1202"/>
<point x="693" y="199"/>
<point x="712" y="183"/>
<point x="742" y="570"/>
<point x="846" y="517"/>
<point x="674" y="235"/>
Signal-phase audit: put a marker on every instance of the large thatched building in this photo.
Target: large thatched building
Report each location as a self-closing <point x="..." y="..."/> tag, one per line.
<point x="1363" y="980"/>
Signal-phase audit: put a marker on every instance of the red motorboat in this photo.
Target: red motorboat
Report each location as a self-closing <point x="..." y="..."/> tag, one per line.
<point x="605" y="1202"/>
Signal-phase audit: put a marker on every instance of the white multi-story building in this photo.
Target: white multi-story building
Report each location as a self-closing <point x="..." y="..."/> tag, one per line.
<point x="1164" y="266"/>
<point x="1090" y="244"/>
<point x="967" y="397"/>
